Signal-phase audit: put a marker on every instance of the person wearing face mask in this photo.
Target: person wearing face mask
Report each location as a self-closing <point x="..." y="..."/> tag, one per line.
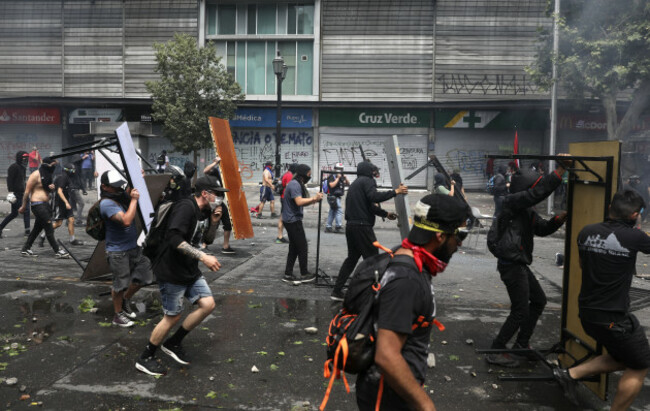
<point x="516" y="226"/>
<point x="16" y="186"/>
<point x="63" y="209"/>
<point x="37" y="192"/>
<point x="212" y="169"/>
<point x="361" y="207"/>
<point x="608" y="253"/>
<point x="178" y="274"/>
<point x="295" y="198"/>
<point x="131" y="270"/>
<point x="406" y="307"/>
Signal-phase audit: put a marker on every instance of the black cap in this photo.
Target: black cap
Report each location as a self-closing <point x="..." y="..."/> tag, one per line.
<point x="437" y="213"/>
<point x="523" y="180"/>
<point x="209" y="183"/>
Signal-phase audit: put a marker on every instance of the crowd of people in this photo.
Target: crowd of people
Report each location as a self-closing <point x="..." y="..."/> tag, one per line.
<point x="607" y="253"/>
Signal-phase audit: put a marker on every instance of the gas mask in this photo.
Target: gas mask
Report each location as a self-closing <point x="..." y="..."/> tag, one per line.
<point x="216" y="203"/>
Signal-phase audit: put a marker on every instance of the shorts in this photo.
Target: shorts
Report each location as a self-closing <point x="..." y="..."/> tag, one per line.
<point x="266" y="194"/>
<point x="172" y="295"/>
<point x="225" y="218"/>
<point x="129" y="266"/>
<point x="625" y="340"/>
<point x="62" y="213"/>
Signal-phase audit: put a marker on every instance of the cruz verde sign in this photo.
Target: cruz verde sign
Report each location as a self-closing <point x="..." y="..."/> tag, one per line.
<point x="374" y="118"/>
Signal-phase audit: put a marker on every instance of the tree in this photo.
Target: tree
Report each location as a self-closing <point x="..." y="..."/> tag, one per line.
<point x="604" y="52"/>
<point x="192" y="87"/>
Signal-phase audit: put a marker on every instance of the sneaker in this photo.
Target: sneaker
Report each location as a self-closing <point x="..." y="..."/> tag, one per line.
<point x="307" y="278"/>
<point x="85" y="193"/>
<point x="27" y="231"/>
<point x="281" y="240"/>
<point x="228" y="250"/>
<point x="121" y="320"/>
<point x="150" y="366"/>
<point x="290" y="279"/>
<point x="503" y="360"/>
<point x="568" y="384"/>
<point x="28" y="253"/>
<point x="337" y="295"/>
<point x="61" y="254"/>
<point x="176" y="352"/>
<point x="126" y="309"/>
<point x="329" y="230"/>
<point x="274" y="215"/>
<point x="259" y="216"/>
<point x="339" y="230"/>
<point x="41" y="242"/>
<point x="76" y="242"/>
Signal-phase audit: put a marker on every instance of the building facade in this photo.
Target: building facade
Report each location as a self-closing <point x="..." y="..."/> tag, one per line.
<point x="447" y="77"/>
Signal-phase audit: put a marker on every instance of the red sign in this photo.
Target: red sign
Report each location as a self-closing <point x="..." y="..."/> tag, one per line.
<point x="29" y="116"/>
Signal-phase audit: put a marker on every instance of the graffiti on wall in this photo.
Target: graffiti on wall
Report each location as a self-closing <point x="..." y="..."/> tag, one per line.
<point x="499" y="84"/>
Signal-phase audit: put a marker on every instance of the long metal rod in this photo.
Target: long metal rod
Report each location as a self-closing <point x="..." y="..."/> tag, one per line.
<point x="79" y="151"/>
<point x="90" y="144"/>
<point x="553" y="134"/>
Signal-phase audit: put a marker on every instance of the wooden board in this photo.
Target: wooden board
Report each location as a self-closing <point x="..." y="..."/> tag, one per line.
<point x="229" y="167"/>
<point x="589" y="202"/>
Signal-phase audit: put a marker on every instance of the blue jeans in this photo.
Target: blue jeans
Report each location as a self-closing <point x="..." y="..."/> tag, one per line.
<point x="335" y="214"/>
<point x="172" y="295"/>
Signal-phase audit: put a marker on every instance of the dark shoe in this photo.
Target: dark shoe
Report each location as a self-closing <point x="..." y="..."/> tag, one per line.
<point x="568" y="384"/>
<point x="61" y="254"/>
<point x="85" y="193"/>
<point x="76" y="242"/>
<point x="307" y="278"/>
<point x="337" y="295"/>
<point x="503" y="360"/>
<point x="121" y="320"/>
<point x="523" y="356"/>
<point x="227" y="251"/>
<point x="273" y="215"/>
<point x="27" y="231"/>
<point x="126" y="309"/>
<point x="259" y="216"/>
<point x="150" y="366"/>
<point x="41" y="242"/>
<point x="339" y="230"/>
<point x="28" y="253"/>
<point x="281" y="240"/>
<point x="0" y="233"/>
<point x="329" y="230"/>
<point x="176" y="352"/>
<point x="289" y="279"/>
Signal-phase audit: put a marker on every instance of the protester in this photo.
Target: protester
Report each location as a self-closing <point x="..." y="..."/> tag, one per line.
<point x="500" y="189"/>
<point x="406" y="307"/>
<point x="162" y="162"/>
<point x="212" y="169"/>
<point x="34" y="160"/>
<point x="173" y="191"/>
<point x="16" y="186"/>
<point x="608" y="253"/>
<point x="189" y="169"/>
<point x="440" y="185"/>
<point x="178" y="274"/>
<point x="266" y="191"/>
<point x="458" y="180"/>
<point x="87" y="169"/>
<point x="286" y="177"/>
<point x="336" y="183"/>
<point x="76" y="190"/>
<point x="295" y="198"/>
<point x="37" y="193"/>
<point x="517" y="223"/>
<point x="63" y="209"/>
<point x="361" y="207"/>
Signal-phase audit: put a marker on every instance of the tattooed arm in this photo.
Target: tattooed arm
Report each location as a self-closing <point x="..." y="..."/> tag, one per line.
<point x="210" y="261"/>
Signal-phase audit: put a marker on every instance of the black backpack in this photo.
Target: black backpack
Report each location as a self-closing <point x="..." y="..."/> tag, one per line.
<point x="154" y="243"/>
<point x="95" y="226"/>
<point x="161" y="160"/>
<point x="351" y="335"/>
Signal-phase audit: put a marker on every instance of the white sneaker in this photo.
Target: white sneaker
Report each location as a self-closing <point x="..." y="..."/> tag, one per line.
<point x="61" y="254"/>
<point x="28" y="253"/>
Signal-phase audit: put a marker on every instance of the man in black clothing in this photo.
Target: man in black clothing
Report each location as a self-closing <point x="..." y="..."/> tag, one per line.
<point x="212" y="169"/>
<point x="608" y="253"/>
<point x="178" y="274"/>
<point x="63" y="209"/>
<point x="361" y="207"/>
<point x="500" y="189"/>
<point x="16" y="177"/>
<point x="516" y="226"/>
<point x="335" y="190"/>
<point x="406" y="307"/>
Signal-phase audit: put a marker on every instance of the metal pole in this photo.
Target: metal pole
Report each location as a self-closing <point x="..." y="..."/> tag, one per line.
<point x="553" y="135"/>
<point x="278" y="128"/>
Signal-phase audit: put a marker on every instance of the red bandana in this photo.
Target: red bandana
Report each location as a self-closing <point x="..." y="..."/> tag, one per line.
<point x="422" y="256"/>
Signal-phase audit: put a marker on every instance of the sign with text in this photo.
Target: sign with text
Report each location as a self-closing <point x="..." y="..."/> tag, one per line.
<point x="492" y="119"/>
<point x="375" y="118"/>
<point x="266" y="117"/>
<point x="29" y="116"/>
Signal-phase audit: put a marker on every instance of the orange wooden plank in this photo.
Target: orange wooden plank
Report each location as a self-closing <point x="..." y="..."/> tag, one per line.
<point x="229" y="167"/>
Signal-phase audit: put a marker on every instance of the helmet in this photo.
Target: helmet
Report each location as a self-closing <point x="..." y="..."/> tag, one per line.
<point x="338" y="167"/>
<point x="69" y="168"/>
<point x="177" y="176"/>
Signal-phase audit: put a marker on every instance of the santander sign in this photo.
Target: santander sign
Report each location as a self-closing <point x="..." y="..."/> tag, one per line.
<point x="29" y="116"/>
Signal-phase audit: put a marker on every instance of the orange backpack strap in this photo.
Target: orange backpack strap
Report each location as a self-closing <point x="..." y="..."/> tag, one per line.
<point x="336" y="371"/>
<point x="381" y="247"/>
<point x="380" y="392"/>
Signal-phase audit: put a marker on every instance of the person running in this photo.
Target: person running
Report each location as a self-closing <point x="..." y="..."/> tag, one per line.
<point x="178" y="274"/>
<point x="266" y="191"/>
<point x="63" y="209"/>
<point x="213" y="170"/>
<point x="37" y="193"/>
<point x="16" y="175"/>
<point x="608" y="253"/>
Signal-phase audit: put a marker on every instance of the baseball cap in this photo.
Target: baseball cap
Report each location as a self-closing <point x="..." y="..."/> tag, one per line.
<point x="523" y="180"/>
<point x="113" y="179"/>
<point x="209" y="183"/>
<point x="437" y="213"/>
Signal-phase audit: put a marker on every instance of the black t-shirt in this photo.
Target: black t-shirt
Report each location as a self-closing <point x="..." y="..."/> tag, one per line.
<point x="214" y="171"/>
<point x="406" y="294"/>
<point x="174" y="267"/>
<point x="63" y="182"/>
<point x="608" y="255"/>
<point x="339" y="189"/>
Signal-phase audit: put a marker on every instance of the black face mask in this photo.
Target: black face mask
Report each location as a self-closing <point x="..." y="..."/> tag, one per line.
<point x="629" y="223"/>
<point x="442" y="253"/>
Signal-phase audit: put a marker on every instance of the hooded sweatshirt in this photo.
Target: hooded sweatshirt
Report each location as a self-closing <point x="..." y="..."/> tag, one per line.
<point x="361" y="204"/>
<point x="16" y="174"/>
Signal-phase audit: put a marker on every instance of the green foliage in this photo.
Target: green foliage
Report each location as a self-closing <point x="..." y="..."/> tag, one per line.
<point x="604" y="50"/>
<point x="87" y="304"/>
<point x="192" y="87"/>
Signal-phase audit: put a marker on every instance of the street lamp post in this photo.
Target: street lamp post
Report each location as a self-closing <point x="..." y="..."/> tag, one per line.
<point x="280" y="70"/>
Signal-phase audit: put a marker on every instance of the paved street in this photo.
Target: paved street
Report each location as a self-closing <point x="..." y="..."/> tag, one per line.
<point x="66" y="359"/>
